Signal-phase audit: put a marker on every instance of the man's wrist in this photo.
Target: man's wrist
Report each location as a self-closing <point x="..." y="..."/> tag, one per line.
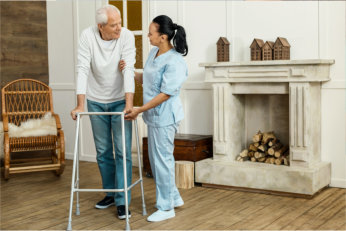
<point x="129" y="105"/>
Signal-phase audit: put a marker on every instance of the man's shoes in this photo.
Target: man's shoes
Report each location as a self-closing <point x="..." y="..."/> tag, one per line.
<point x="122" y="212"/>
<point x="105" y="203"/>
<point x="178" y="203"/>
<point x="160" y="215"/>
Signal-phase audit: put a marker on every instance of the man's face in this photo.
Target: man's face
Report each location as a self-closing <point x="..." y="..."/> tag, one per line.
<point x="112" y="29"/>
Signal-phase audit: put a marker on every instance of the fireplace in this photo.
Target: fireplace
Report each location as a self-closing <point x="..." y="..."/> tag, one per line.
<point x="283" y="96"/>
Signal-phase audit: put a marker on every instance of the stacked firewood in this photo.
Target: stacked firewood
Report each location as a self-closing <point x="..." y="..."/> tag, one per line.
<point x="265" y="148"/>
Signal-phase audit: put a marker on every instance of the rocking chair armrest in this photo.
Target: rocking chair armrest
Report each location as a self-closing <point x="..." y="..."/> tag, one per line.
<point x="57" y="120"/>
<point x="5" y="122"/>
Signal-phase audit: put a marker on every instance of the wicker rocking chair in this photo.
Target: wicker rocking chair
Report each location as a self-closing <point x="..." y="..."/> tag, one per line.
<point x="25" y="99"/>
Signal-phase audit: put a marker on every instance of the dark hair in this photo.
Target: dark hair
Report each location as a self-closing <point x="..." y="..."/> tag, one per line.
<point x="167" y="27"/>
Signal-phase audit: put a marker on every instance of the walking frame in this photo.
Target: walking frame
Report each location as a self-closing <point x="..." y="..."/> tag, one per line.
<point x="75" y="171"/>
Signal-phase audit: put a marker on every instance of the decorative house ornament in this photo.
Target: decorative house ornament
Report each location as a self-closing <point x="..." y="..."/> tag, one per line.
<point x="281" y="49"/>
<point x="222" y="50"/>
<point x="256" y="49"/>
<point x="267" y="50"/>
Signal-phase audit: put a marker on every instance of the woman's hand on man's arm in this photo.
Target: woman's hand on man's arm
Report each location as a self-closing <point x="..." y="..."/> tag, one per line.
<point x="138" y="76"/>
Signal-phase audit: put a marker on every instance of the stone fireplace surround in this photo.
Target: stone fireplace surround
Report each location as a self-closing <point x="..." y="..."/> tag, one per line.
<point x="251" y="96"/>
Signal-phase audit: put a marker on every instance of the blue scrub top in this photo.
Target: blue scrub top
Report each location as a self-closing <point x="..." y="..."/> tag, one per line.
<point x="165" y="73"/>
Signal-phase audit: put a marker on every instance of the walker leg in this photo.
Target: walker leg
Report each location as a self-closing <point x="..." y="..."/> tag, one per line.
<point x="69" y="225"/>
<point x="127" y="226"/>
<point x="125" y="171"/>
<point x="77" y="182"/>
<point x="140" y="168"/>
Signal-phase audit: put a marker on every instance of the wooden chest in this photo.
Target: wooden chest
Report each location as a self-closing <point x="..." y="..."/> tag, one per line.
<point x="187" y="147"/>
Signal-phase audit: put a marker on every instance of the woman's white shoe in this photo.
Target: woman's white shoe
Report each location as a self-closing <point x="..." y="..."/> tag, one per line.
<point x="160" y="215"/>
<point x="178" y="203"/>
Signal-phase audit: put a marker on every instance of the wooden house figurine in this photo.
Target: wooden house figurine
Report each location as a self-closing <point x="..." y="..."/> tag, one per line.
<point x="256" y="49"/>
<point x="267" y="50"/>
<point x="281" y="49"/>
<point x="222" y="50"/>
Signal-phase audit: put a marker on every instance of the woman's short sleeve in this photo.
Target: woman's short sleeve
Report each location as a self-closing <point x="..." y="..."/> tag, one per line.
<point x="173" y="77"/>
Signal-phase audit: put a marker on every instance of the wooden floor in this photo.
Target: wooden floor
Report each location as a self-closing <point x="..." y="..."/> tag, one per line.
<point x="38" y="201"/>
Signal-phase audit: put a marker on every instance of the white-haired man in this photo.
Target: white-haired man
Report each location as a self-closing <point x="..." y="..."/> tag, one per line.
<point x="108" y="90"/>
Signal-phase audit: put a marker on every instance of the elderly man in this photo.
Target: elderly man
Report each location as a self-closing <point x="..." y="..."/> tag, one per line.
<point x="108" y="90"/>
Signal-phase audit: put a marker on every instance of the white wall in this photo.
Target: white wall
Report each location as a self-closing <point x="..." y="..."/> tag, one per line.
<point x="314" y="29"/>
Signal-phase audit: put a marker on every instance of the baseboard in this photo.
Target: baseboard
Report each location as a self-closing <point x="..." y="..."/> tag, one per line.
<point x="69" y="156"/>
<point x="338" y="183"/>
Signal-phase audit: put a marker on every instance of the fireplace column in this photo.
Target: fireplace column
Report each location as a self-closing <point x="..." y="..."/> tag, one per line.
<point x="305" y="120"/>
<point x="228" y="122"/>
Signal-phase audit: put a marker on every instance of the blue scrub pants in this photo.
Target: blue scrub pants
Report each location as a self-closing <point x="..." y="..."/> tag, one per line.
<point x="161" y="146"/>
<point x="111" y="168"/>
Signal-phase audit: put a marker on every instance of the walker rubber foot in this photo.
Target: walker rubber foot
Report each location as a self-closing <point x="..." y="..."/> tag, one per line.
<point x="127" y="226"/>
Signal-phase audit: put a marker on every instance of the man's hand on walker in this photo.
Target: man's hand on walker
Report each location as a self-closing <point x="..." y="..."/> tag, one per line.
<point x="122" y="65"/>
<point x="75" y="111"/>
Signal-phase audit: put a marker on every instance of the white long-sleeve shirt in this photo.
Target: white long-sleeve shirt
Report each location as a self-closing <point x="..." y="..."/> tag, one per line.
<point x="99" y="77"/>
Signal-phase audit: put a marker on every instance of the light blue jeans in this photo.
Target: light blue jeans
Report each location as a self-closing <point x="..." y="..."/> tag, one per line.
<point x="104" y="127"/>
<point x="161" y="147"/>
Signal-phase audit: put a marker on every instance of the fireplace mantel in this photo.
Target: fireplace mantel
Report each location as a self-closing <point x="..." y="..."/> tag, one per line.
<point x="276" y="71"/>
<point x="298" y="81"/>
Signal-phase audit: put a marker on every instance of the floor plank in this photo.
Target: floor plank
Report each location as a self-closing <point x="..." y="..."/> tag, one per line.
<point x="40" y="201"/>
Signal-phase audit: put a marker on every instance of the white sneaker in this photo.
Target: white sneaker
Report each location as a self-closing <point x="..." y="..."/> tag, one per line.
<point x="178" y="203"/>
<point x="160" y="215"/>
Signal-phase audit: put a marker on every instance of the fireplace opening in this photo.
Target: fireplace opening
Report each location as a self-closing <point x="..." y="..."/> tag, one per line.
<point x="265" y="114"/>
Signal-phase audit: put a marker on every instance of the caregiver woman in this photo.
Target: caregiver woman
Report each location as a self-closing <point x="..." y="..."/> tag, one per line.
<point x="164" y="73"/>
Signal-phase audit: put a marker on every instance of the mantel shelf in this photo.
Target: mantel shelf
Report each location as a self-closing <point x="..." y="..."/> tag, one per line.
<point x="269" y="63"/>
<point x="276" y="71"/>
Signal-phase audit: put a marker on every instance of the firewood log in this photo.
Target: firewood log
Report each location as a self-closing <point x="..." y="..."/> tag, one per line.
<point x="272" y="142"/>
<point x="253" y="159"/>
<point x="251" y="154"/>
<point x="241" y="159"/>
<point x="281" y="151"/>
<point x="259" y="155"/>
<point x="261" y="159"/>
<point x="286" y="160"/>
<point x="257" y="137"/>
<point x="279" y="160"/>
<point x="268" y="136"/>
<point x="263" y="147"/>
<point x="272" y="160"/>
<point x="256" y="144"/>
<point x="276" y="147"/>
<point x="252" y="147"/>
<point x="244" y="153"/>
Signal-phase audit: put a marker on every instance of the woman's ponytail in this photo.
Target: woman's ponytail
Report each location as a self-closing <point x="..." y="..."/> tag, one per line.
<point x="173" y="31"/>
<point x="179" y="41"/>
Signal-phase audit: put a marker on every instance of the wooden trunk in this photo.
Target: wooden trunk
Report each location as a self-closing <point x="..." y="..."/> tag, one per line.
<point x="187" y="147"/>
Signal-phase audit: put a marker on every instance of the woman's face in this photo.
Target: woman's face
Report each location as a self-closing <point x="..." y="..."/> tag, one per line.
<point x="154" y="36"/>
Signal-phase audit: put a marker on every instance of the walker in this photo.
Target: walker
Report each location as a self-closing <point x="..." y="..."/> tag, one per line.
<point x="75" y="171"/>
